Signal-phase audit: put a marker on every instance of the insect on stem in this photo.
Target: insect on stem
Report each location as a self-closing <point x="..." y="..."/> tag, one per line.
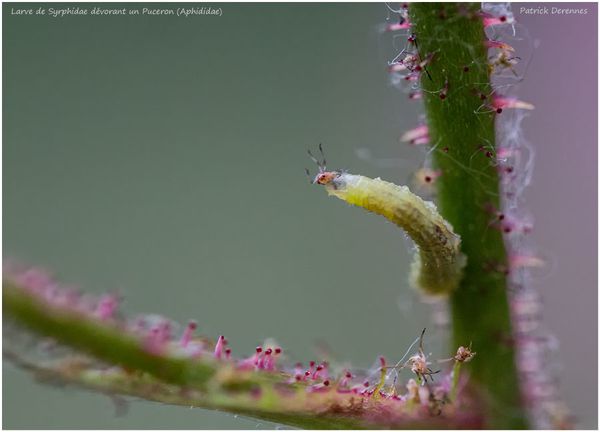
<point x="437" y="267"/>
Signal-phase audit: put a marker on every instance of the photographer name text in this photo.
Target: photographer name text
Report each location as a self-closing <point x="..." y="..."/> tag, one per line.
<point x="545" y="10"/>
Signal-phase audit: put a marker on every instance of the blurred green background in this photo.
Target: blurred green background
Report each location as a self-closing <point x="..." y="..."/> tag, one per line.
<point x="164" y="157"/>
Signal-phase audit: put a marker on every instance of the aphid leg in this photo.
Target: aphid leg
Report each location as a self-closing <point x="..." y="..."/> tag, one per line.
<point x="311" y="180"/>
<point x="324" y="163"/>
<point x="315" y="160"/>
<point x="321" y="164"/>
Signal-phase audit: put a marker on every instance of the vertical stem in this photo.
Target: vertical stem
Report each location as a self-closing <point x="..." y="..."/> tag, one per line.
<point x="457" y="75"/>
<point x="455" y="380"/>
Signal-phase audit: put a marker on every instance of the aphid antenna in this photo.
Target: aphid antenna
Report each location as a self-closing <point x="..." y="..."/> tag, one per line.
<point x="420" y="58"/>
<point x="394" y="60"/>
<point x="421" y="342"/>
<point x="322" y="165"/>
<point x="400" y="365"/>
<point x="391" y="9"/>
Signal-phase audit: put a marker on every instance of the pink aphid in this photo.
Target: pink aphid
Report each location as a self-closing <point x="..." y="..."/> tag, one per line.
<point x="415" y="95"/>
<point x="186" y="337"/>
<point x="220" y="347"/>
<point x="500" y="45"/>
<point x="107" y="306"/>
<point x="418" y="133"/>
<point x="500" y="103"/>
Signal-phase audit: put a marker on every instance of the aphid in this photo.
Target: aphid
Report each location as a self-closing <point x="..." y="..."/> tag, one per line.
<point x="422" y="63"/>
<point x="464" y="354"/>
<point x="323" y="177"/>
<point x="419" y="364"/>
<point x="412" y="62"/>
<point x="502" y="61"/>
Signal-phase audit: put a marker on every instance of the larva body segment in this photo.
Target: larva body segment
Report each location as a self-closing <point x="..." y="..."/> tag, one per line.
<point x="438" y="265"/>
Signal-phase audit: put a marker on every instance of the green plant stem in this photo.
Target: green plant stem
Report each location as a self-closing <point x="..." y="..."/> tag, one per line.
<point x="101" y="341"/>
<point x="468" y="185"/>
<point x="455" y="380"/>
<point x="200" y="381"/>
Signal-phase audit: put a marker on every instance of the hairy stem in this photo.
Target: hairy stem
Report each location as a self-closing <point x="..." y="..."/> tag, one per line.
<point x="103" y="342"/>
<point x="129" y="367"/>
<point x="455" y="380"/>
<point x="457" y="76"/>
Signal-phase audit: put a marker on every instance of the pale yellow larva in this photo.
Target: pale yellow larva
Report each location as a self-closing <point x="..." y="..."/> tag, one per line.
<point x="438" y="264"/>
